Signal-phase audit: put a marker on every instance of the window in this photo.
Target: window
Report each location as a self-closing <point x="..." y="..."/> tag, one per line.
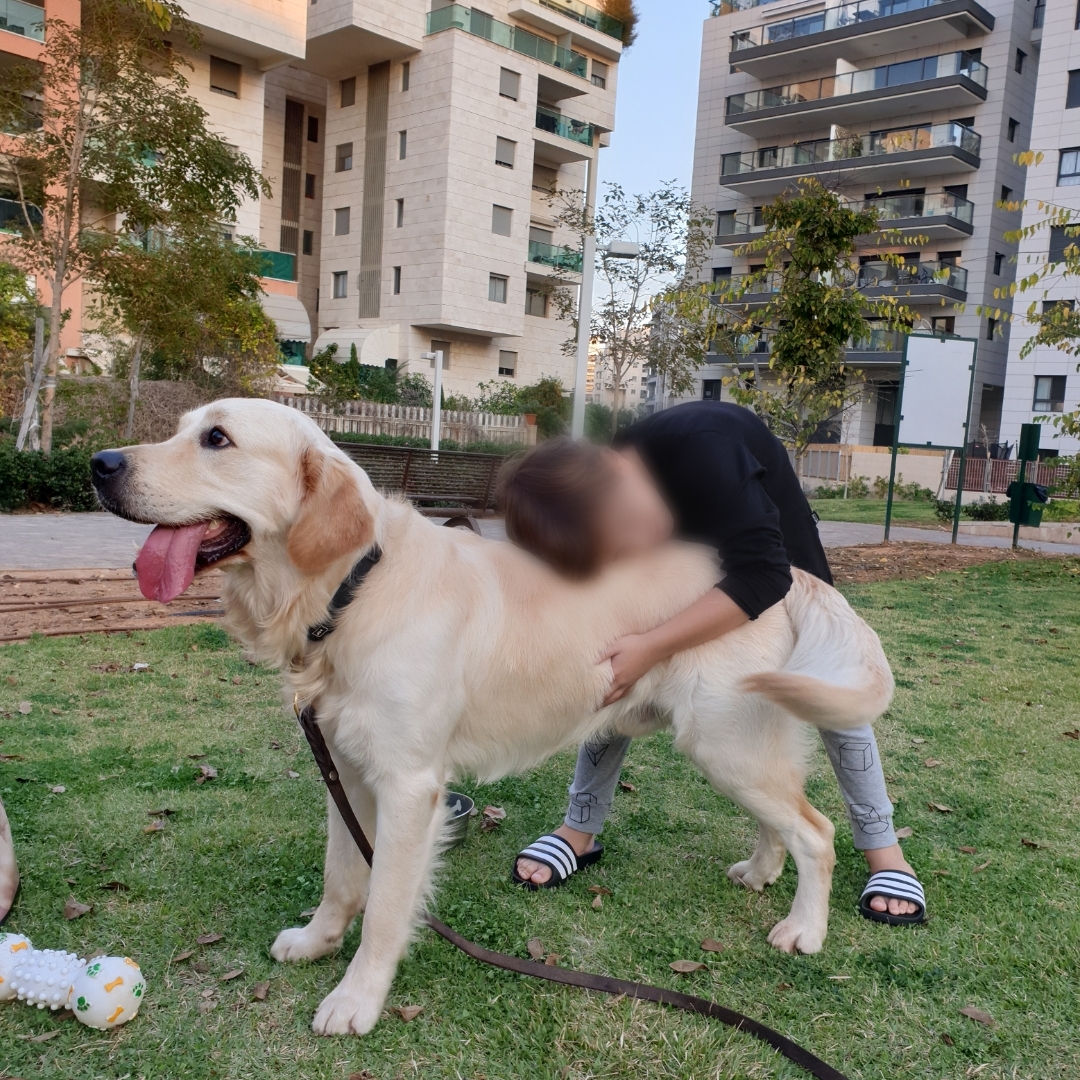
<point x="1069" y="168"/>
<point x="313" y="129"/>
<point x="397" y="280"/>
<point x="1049" y="305"/>
<point x="309" y="242"/>
<point x="1014" y="126"/>
<point x="504" y="152"/>
<point x="497" y="286"/>
<point x="342" y="218"/>
<point x="991" y="329"/>
<point x="725" y="223"/>
<point x="343" y="157"/>
<point x="1049" y="394"/>
<point x="507" y="363"/>
<point x="309" y="185"/>
<point x="509" y="84"/>
<point x="1006" y="194"/>
<point x="946" y="258"/>
<point x="999" y="262"/>
<point x="406" y="71"/>
<point x="399" y="213"/>
<point x="501" y="219"/>
<point x="1062" y="237"/>
<point x="599" y="74"/>
<point x="536" y="303"/>
<point x="943" y="324"/>
<point x="224" y="77"/>
<point x="1021" y="56"/>
<point x="710" y="389"/>
<point x="444" y="348"/>
<point x="1072" y="94"/>
<point x="402" y="144"/>
<point x="347" y="88"/>
<point x="959" y="190"/>
<point x="721" y="273"/>
<point x="341" y="285"/>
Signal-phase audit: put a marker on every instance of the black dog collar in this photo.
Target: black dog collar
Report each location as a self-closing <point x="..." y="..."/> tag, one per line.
<point x="344" y="596"/>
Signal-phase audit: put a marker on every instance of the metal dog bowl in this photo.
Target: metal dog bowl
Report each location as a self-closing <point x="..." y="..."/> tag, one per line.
<point x="461" y="808"/>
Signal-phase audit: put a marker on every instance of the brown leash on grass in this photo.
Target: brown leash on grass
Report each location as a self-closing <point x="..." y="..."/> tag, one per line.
<point x="792" y="1051"/>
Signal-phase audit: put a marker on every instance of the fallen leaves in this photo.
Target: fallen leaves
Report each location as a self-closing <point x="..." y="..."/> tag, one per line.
<point x="25" y="708"/>
<point x="1074" y="734"/>
<point x="179" y="958"/>
<point x="978" y="1015"/>
<point x="163" y="812"/>
<point x="45" y="1036"/>
<point x="626" y="786"/>
<point x="905" y="832"/>
<point x="208" y="939"/>
<point x="409" y="1013"/>
<point x="552" y="959"/>
<point x="1030" y="843"/>
<point x="981" y="867"/>
<point x="687" y="967"/>
<point x="235" y="973"/>
<point x="260" y="991"/>
<point x="493" y="817"/>
<point x="292" y="775"/>
<point x="536" y="949"/>
<point x="11" y="757"/>
<point x="917" y="742"/>
<point x="931" y="763"/>
<point x="968" y="850"/>
<point x="154" y="826"/>
<point x="941" y="808"/>
<point x="598" y="903"/>
<point x="364" y="1075"/>
<point x="600" y="890"/>
<point x="206" y="772"/>
<point x="114" y="886"/>
<point x="74" y="910"/>
<point x="58" y="789"/>
<point x="947" y="1039"/>
<point x="712" y="945"/>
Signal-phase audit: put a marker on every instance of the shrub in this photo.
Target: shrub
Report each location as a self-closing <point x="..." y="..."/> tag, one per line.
<point x="827" y="491"/>
<point x="1062" y="510"/>
<point x="61" y="481"/>
<point x="858" y="488"/>
<point x="944" y="510"/>
<point x="855" y="488"/>
<point x="914" y="492"/>
<point x="990" y="510"/>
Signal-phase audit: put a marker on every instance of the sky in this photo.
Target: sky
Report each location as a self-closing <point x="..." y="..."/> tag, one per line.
<point x="656" y="106"/>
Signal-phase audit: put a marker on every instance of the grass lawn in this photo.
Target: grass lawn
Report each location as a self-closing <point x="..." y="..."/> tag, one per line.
<point x="988" y="682"/>
<point x="872" y="512"/>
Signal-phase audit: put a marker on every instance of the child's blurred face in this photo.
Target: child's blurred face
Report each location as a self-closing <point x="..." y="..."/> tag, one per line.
<point x="633" y="517"/>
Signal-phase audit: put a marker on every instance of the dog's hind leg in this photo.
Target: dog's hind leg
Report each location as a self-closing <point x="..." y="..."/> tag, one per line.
<point x="345" y="881"/>
<point x="411" y="815"/>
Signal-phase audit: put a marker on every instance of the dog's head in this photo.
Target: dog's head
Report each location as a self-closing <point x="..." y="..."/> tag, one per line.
<point x="240" y="476"/>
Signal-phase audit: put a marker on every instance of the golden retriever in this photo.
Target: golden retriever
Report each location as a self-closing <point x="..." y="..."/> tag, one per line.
<point x="462" y="655"/>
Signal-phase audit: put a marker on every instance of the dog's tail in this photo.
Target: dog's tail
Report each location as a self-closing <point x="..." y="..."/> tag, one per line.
<point x="837" y="676"/>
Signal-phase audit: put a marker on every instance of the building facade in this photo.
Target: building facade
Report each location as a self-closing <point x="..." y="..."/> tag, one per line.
<point x="1046" y="381"/>
<point x="915" y="107"/>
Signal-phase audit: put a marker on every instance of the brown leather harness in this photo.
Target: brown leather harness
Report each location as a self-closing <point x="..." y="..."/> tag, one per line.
<point x="602" y="983"/>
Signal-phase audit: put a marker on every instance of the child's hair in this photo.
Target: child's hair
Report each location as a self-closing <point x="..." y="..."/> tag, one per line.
<point x="551" y="497"/>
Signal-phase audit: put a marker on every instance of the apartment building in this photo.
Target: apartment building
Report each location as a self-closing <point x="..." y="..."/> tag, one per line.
<point x="915" y="107"/>
<point x="1046" y="381"/>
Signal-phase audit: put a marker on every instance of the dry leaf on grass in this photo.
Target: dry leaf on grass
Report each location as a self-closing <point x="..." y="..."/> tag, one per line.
<point x="25" y="707"/>
<point x="206" y="772"/>
<point x="784" y="986"/>
<point x="598" y="903"/>
<point x="58" y="789"/>
<point x="981" y="867"/>
<point x="236" y="680"/>
<point x="114" y="886"/>
<point x="493" y="816"/>
<point x="260" y="991"/>
<point x="941" y="873"/>
<point x="712" y="945"/>
<point x="1074" y="734"/>
<point x="308" y="912"/>
<point x="275" y="745"/>
<point x="977" y="1015"/>
<point x="362" y="1075"/>
<point x="685" y="967"/>
<point x="230" y="975"/>
<point x="839" y="978"/>
<point x="11" y="757"/>
<point x="292" y="775"/>
<point x="931" y="763"/>
<point x="187" y="954"/>
<point x="599" y="890"/>
<point x="74" y="910"/>
<point x="941" y="808"/>
<point x="553" y="959"/>
<point x="208" y="939"/>
<point x="536" y="948"/>
<point x="163" y="812"/>
<point x="917" y="742"/>
<point x="154" y="826"/>
<point x="1030" y="843"/>
<point x="969" y="850"/>
<point x="905" y="832"/>
<point x="626" y="786"/>
<point x="45" y="1036"/>
<point x="409" y="1013"/>
<point x="947" y="1039"/>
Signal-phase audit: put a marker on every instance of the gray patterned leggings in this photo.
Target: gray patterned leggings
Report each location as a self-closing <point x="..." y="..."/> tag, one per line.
<point x="854" y="757"/>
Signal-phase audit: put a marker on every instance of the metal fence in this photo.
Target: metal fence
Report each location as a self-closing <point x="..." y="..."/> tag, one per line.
<point x="370" y="418"/>
<point x="995" y="476"/>
<point x="831" y="465"/>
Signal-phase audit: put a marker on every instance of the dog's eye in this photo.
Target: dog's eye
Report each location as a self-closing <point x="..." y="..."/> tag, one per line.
<point x="216" y="439"/>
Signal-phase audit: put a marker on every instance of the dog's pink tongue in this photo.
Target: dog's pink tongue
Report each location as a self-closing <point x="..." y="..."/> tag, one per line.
<point x="165" y="564"/>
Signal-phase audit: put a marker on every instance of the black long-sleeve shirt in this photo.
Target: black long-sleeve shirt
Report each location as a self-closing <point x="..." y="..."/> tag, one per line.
<point x="730" y="484"/>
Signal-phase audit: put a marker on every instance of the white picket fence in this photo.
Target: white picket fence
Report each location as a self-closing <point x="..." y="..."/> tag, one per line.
<point x="370" y="418"/>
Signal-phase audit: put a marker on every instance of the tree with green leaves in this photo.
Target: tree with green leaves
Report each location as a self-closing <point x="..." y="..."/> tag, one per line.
<point x="814" y="309"/>
<point x="19" y="308"/>
<point x="108" y="142"/>
<point x="674" y="236"/>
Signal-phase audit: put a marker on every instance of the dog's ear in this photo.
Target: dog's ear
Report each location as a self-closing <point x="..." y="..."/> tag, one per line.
<point x="333" y="519"/>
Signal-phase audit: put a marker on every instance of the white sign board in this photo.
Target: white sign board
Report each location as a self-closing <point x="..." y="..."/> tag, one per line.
<point x="937" y="391"/>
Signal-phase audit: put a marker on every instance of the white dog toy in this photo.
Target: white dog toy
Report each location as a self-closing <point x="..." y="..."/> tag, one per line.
<point x="108" y="992"/>
<point x="14" y="948"/>
<point x="45" y="976"/>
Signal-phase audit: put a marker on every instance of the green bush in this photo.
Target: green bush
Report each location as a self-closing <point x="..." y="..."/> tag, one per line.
<point x="914" y="492"/>
<point x="990" y="510"/>
<point x="944" y="510"/>
<point x="61" y="481"/>
<point x="856" y="488"/>
<point x="1062" y="510"/>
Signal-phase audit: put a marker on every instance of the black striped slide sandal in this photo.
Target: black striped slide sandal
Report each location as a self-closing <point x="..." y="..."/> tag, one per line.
<point x="559" y="857"/>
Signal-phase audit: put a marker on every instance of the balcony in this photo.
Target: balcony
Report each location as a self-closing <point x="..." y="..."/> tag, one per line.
<point x="279" y="265"/>
<point x="752" y="290"/>
<point x="926" y="84"/>
<point x="560" y="140"/>
<point x="26" y="20"/>
<point x="587" y="16"/>
<point x="937" y="217"/>
<point x="556" y="124"/>
<point x="477" y="23"/>
<point x="12" y="218"/>
<point x="855" y="32"/>
<point x="557" y="258"/>
<point x="879" y="347"/>
<point x="878" y="158"/>
<point x="734" y="230"/>
<point x="914" y="281"/>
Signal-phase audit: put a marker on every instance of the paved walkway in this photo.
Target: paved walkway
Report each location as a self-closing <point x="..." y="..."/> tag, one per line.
<point x="101" y="541"/>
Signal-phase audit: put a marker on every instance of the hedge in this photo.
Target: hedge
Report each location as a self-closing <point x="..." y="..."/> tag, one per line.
<point x="61" y="481"/>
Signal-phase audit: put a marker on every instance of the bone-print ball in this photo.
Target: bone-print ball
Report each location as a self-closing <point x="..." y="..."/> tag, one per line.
<point x="13" y="949"/>
<point x="108" y="993"/>
<point x="45" y="976"/>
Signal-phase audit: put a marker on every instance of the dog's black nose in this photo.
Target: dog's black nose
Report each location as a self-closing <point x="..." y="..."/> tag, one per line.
<point x="106" y="464"/>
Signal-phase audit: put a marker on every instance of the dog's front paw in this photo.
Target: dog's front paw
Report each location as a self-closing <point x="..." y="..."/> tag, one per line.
<point x="792" y="936"/>
<point x="751" y="875"/>
<point x="346" y="1013"/>
<point x="300" y="943"/>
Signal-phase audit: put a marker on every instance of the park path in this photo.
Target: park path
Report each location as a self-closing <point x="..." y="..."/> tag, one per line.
<point x="104" y="542"/>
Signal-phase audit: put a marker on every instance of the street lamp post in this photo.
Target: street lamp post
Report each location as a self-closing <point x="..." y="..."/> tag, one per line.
<point x="436" y="397"/>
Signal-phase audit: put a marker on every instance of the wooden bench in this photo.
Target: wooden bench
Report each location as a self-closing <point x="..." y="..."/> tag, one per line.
<point x="448" y="483"/>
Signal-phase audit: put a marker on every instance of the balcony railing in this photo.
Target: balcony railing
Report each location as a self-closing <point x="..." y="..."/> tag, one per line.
<point x="737" y="286"/>
<point x="26" y="20"/>
<point x="857" y="82"/>
<point x="560" y="258"/>
<point x="747" y="223"/>
<point x="886" y="275"/>
<point x="454" y="16"/>
<point x="726" y="7"/>
<point x="279" y="265"/>
<point x="941" y="204"/>
<point x="12" y="219"/>
<point x="830" y="19"/>
<point x="587" y="16"/>
<point x="819" y="151"/>
<point x="879" y="341"/>
<point x="576" y="130"/>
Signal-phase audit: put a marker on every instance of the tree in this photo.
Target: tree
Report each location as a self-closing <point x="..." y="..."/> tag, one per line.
<point x="675" y="238"/>
<point x="815" y="308"/>
<point x="107" y="142"/>
<point x="18" y="311"/>
<point x="337" y="382"/>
